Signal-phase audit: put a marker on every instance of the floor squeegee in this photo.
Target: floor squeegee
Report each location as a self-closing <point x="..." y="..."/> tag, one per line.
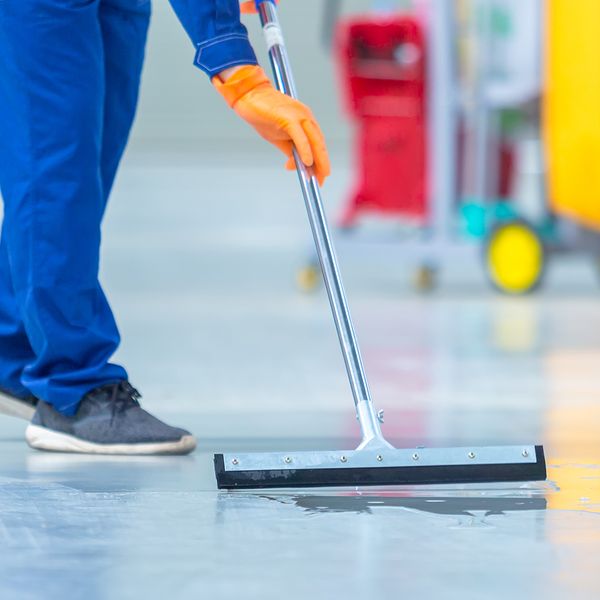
<point x="375" y="461"/>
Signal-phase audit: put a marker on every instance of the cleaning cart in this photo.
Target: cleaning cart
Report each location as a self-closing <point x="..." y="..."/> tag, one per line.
<point x="416" y="132"/>
<point x="467" y="171"/>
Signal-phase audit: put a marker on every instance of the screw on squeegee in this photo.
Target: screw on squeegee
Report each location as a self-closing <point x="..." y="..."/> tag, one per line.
<point x="287" y="460"/>
<point x="471" y="455"/>
<point x="343" y="459"/>
<point x="235" y="461"/>
<point x="379" y="457"/>
<point x="525" y="453"/>
<point x="415" y="456"/>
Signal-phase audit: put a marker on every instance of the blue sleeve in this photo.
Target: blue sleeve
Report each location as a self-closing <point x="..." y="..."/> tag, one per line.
<point x="215" y="29"/>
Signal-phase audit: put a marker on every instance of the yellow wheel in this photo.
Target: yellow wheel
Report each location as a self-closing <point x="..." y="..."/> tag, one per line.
<point x="308" y="278"/>
<point x="424" y="279"/>
<point x="515" y="258"/>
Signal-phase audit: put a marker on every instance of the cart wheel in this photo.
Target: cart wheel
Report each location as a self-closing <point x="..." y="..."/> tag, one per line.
<point x="515" y="257"/>
<point x="308" y="278"/>
<point x="425" y="278"/>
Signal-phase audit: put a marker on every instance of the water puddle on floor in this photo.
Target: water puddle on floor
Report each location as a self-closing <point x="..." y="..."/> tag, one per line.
<point x="572" y="487"/>
<point x="360" y="503"/>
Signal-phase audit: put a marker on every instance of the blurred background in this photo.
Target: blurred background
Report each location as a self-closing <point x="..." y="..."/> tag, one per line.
<point x="491" y="85"/>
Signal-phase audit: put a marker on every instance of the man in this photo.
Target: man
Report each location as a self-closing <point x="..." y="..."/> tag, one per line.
<point x="69" y="78"/>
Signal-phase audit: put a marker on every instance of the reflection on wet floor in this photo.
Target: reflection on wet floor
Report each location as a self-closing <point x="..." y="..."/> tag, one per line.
<point x="578" y="487"/>
<point x="581" y="492"/>
<point x="437" y="505"/>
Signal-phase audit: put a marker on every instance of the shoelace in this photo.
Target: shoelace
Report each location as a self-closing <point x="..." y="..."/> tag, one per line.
<point x="122" y="396"/>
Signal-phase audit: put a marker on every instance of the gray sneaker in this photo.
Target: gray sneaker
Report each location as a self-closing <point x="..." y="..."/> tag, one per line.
<point x="22" y="407"/>
<point x="109" y="420"/>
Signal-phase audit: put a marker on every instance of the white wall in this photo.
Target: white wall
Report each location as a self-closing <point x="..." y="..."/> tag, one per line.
<point x="178" y="104"/>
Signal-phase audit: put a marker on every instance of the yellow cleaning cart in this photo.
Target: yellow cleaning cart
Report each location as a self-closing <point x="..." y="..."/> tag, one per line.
<point x="572" y="110"/>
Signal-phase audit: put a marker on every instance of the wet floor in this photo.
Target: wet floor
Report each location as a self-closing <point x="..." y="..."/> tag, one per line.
<point x="219" y="340"/>
<point x="109" y="528"/>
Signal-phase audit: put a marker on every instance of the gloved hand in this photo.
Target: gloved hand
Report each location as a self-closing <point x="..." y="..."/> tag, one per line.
<point x="284" y="122"/>
<point x="250" y="6"/>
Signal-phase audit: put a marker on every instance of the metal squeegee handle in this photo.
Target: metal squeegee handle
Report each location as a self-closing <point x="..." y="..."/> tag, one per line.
<point x="369" y="420"/>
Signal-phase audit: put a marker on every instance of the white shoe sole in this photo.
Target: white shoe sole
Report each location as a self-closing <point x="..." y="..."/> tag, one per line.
<point x="41" y="438"/>
<point x="13" y="407"/>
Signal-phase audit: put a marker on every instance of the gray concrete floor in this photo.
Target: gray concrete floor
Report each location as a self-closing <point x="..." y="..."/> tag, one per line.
<point x="199" y="262"/>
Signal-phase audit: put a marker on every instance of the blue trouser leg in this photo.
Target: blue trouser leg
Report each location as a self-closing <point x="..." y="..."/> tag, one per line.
<point x="15" y="349"/>
<point x="124" y="25"/>
<point x="56" y="92"/>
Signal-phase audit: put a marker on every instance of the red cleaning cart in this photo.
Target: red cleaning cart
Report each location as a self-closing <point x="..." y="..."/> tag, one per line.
<point x="384" y="81"/>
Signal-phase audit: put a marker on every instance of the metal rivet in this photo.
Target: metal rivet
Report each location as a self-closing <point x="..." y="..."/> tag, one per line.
<point x="235" y="461"/>
<point x="415" y="456"/>
<point x="471" y="455"/>
<point x="379" y="457"/>
<point x="343" y="459"/>
<point x="287" y="460"/>
<point x="525" y="453"/>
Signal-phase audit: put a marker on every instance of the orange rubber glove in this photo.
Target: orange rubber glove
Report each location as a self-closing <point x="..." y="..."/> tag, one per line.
<point x="284" y="122"/>
<point x="249" y="6"/>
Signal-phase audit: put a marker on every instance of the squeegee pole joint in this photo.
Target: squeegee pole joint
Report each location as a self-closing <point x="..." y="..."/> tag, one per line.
<point x="368" y="419"/>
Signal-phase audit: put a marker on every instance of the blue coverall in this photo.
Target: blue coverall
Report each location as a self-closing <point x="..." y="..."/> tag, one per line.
<point x="69" y="79"/>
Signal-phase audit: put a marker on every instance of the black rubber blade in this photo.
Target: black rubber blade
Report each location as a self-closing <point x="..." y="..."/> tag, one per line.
<point x="380" y="476"/>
